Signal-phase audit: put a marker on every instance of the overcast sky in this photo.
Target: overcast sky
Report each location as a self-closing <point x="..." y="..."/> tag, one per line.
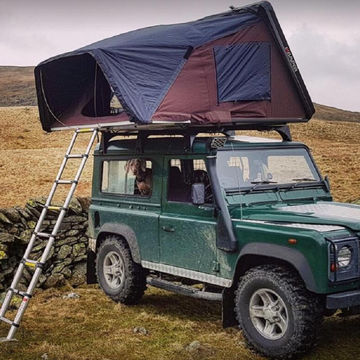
<point x="324" y="35"/>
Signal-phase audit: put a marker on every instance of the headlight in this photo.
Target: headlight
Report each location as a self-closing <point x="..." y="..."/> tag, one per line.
<point x="344" y="256"/>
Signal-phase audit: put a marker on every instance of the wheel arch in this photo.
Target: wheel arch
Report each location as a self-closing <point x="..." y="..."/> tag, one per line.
<point x="123" y="231"/>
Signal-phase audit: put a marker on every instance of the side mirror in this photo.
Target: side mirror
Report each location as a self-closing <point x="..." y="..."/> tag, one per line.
<point x="198" y="193"/>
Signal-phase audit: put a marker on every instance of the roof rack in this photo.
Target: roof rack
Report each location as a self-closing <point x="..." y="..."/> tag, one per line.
<point x="188" y="132"/>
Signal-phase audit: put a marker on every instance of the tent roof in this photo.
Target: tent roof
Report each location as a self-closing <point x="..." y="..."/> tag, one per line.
<point x="141" y="66"/>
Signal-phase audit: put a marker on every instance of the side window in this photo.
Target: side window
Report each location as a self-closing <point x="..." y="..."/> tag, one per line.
<point x="127" y="177"/>
<point x="182" y="174"/>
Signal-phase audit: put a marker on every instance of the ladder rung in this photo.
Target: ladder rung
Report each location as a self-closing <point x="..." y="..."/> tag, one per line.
<point x="69" y="182"/>
<point x="42" y="234"/>
<point x="76" y="156"/>
<point x="20" y="293"/>
<point x="55" y="208"/>
<point x="85" y="130"/>
<point x="4" y="319"/>
<point x="30" y="263"/>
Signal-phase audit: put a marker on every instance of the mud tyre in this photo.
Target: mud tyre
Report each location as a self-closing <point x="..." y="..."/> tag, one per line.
<point x="279" y="317"/>
<point x="118" y="275"/>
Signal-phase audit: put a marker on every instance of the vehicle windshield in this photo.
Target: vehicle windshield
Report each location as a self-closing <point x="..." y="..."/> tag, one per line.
<point x="240" y="169"/>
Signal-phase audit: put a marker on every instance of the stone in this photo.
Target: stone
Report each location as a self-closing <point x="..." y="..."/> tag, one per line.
<point x="34" y="213"/>
<point x="140" y="330"/>
<point x="71" y="295"/>
<point x="42" y="280"/>
<point x="31" y="224"/>
<point x="79" y="249"/>
<point x="64" y="252"/>
<point x="12" y="214"/>
<point x="4" y="219"/>
<point x="23" y="213"/>
<point x="85" y="203"/>
<point x="40" y="246"/>
<point x="75" y="219"/>
<point x="80" y="258"/>
<point x="79" y="275"/>
<point x="72" y="232"/>
<point x="65" y="226"/>
<point x="194" y="346"/>
<point x="54" y="280"/>
<point x="58" y="268"/>
<point x="75" y="206"/>
<point x="6" y="237"/>
<point x="67" y="241"/>
<point x="25" y="236"/>
<point x="3" y="247"/>
<point x="13" y="230"/>
<point x="66" y="272"/>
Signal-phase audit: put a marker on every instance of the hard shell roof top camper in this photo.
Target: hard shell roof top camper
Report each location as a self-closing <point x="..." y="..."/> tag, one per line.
<point x="230" y="68"/>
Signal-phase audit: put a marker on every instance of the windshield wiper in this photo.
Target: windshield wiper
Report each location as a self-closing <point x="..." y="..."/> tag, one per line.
<point x="304" y="179"/>
<point x="300" y="181"/>
<point x="256" y="185"/>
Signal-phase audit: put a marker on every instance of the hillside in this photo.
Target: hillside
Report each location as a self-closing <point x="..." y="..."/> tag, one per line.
<point x="17" y="88"/>
<point x="329" y="113"/>
<point x="29" y="157"/>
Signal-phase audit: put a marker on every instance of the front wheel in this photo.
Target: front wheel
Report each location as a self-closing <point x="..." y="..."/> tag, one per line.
<point x="278" y="316"/>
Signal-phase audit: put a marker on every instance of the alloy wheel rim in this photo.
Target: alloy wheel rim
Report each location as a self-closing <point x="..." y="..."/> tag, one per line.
<point x="113" y="269"/>
<point x="269" y="314"/>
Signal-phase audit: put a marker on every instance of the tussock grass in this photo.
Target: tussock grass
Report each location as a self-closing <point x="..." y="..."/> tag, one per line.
<point x="93" y="327"/>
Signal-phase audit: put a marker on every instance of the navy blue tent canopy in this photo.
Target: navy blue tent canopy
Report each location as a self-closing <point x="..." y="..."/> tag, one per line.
<point x="141" y="66"/>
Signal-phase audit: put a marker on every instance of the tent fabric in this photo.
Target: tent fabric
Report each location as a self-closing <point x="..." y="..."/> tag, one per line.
<point x="243" y="72"/>
<point x="141" y="68"/>
<point x="198" y="100"/>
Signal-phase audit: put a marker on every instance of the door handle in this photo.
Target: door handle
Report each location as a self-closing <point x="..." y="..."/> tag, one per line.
<point x="168" y="228"/>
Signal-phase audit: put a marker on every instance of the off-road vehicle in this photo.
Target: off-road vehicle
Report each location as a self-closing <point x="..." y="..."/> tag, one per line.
<point x="251" y="219"/>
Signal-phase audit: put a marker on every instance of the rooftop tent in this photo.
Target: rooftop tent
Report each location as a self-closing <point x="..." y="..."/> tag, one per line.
<point x="233" y="67"/>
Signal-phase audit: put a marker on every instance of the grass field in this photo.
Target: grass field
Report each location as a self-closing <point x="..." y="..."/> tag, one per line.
<point x="93" y="327"/>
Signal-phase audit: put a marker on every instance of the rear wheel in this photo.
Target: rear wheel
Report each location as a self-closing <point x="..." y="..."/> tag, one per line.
<point x="118" y="275"/>
<point x="278" y="316"/>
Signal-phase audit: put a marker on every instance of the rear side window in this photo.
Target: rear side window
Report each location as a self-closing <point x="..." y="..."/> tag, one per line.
<point x="182" y="174"/>
<point x="243" y="71"/>
<point x="127" y="177"/>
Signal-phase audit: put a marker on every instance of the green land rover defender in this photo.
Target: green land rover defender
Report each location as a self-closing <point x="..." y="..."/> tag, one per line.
<point x="249" y="219"/>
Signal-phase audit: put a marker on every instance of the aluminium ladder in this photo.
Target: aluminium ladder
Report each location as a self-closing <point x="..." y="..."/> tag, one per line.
<point x="37" y="234"/>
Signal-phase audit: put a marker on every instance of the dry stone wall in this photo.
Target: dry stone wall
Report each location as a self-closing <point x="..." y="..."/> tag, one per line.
<point x="67" y="259"/>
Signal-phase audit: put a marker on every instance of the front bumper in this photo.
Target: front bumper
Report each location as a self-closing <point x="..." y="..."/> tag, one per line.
<point x="343" y="300"/>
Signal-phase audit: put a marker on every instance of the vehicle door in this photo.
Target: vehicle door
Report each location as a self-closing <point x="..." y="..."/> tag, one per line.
<point x="187" y="231"/>
<point x="130" y="196"/>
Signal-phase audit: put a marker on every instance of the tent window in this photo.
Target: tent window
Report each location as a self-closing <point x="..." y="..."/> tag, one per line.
<point x="243" y="71"/>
